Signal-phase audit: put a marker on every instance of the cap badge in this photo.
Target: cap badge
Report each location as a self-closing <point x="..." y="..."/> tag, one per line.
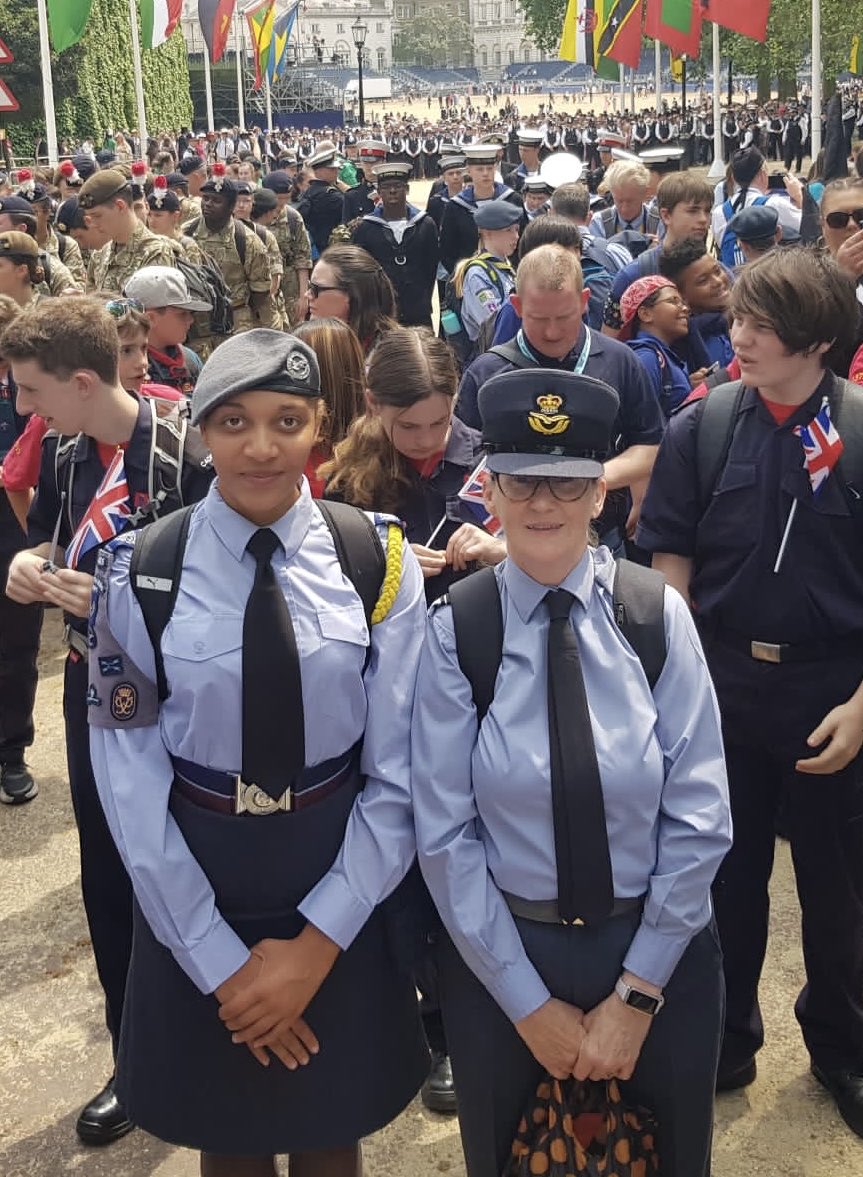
<point x="298" y="366"/>
<point x="548" y="421"/>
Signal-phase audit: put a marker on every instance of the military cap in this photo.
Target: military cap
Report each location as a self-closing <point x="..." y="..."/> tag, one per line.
<point x="177" y="180"/>
<point x="260" y="359"/>
<point x="546" y="423"/>
<point x="662" y="159"/>
<point x="754" y="223"/>
<point x="480" y="152"/>
<point x="15" y="205"/>
<point x="451" y="161"/>
<point x="527" y="137"/>
<point x="163" y="200"/>
<point x="264" y="201"/>
<point x="16" y="244"/>
<point x="324" y="155"/>
<point x="70" y="216"/>
<point x="537" y="184"/>
<point x="497" y="214"/>
<point x="372" y="149"/>
<point x="495" y="137"/>
<point x="29" y="187"/>
<point x="278" y="181"/>
<point x="102" y="187"/>
<point x="244" y="188"/>
<point x="85" y="165"/>
<point x="610" y="139"/>
<point x="105" y="158"/>
<point x="191" y="163"/>
<point x="392" y="171"/>
<point x="220" y="183"/>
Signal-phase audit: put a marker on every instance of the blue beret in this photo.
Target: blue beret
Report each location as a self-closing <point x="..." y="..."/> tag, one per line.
<point x="85" y="165"/>
<point x="755" y="222"/>
<point x="16" y="204"/>
<point x="497" y="214"/>
<point x="255" y="360"/>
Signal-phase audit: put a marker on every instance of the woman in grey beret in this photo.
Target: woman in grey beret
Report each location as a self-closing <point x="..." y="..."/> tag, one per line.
<point x="252" y="674"/>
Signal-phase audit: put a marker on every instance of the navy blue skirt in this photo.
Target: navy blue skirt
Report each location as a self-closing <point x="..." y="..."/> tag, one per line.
<point x="179" y="1075"/>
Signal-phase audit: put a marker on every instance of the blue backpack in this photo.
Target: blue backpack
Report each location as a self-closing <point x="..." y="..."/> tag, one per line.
<point x="730" y="253"/>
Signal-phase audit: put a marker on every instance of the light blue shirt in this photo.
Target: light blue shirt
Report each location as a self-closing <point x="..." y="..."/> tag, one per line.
<point x="482" y="298"/>
<point x="482" y="800"/>
<point x="201" y="722"/>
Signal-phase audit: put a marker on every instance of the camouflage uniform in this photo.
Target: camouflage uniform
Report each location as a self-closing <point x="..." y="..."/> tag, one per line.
<point x="71" y="258"/>
<point x="190" y="207"/>
<point x="277" y="266"/>
<point x="113" y="265"/>
<point x="58" y="278"/>
<point x="296" y="248"/>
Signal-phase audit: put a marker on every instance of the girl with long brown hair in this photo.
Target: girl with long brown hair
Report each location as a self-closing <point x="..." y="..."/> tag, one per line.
<point x="347" y="283"/>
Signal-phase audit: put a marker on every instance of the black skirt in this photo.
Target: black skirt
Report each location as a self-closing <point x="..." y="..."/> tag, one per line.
<point x="181" y="1078"/>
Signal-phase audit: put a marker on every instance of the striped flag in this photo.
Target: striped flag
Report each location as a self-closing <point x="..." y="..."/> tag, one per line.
<point x="159" y="18"/>
<point x="677" y="24"/>
<point x="107" y="515"/>
<point x="579" y="41"/>
<point x="282" y="29"/>
<point x="261" y="18"/>
<point x="472" y="495"/>
<point x="822" y="446"/>
<point x="214" y="17"/>
<point x="855" y="64"/>
<point x="620" y="36"/>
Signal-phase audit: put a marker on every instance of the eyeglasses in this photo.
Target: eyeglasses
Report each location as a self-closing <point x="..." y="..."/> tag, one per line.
<point x="518" y="488"/>
<point x="673" y="300"/>
<point x="120" y="308"/>
<point x="839" y="220"/>
<point x="316" y="289"/>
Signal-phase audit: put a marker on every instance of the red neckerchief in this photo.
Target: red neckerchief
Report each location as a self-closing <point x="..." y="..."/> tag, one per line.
<point x="176" y="368"/>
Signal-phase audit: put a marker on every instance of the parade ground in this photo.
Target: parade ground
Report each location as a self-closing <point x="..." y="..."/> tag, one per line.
<point x="55" y="1052"/>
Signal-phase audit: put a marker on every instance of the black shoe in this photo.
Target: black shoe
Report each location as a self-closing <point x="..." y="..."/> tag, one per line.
<point x="103" y="1119"/>
<point x="846" y="1087"/>
<point x="438" y="1091"/>
<point x="739" y="1077"/>
<point x="16" y="784"/>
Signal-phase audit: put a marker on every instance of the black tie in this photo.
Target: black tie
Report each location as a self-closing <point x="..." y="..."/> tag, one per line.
<point x="274" y="746"/>
<point x="585" y="890"/>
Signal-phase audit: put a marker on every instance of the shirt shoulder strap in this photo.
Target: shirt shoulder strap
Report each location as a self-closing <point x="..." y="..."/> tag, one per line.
<point x="639" y="611"/>
<point x="478" y="620"/>
<point x="358" y="549"/>
<point x="154" y="574"/>
<point x="713" y="438"/>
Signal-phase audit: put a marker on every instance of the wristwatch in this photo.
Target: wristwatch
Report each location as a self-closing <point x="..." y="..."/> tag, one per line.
<point x="646" y="1003"/>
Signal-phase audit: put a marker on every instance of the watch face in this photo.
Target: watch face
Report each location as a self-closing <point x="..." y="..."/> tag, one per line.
<point x="642" y="1001"/>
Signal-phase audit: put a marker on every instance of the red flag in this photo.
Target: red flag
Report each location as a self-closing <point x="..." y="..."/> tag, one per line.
<point x="676" y="23"/>
<point x="748" y="17"/>
<point x="620" y="39"/>
<point x="215" y="18"/>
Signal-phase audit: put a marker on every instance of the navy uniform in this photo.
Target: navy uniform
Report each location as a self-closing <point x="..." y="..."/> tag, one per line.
<point x="489" y="858"/>
<point x="526" y="138"/>
<point x="458" y="235"/>
<point x="784" y="649"/>
<point x="359" y="201"/>
<point x="438" y="201"/>
<point x="320" y="206"/>
<point x="540" y="187"/>
<point x="104" y="883"/>
<point x="213" y="869"/>
<point x="407" y="250"/>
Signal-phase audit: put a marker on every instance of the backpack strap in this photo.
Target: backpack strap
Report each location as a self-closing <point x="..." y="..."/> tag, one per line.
<point x="714" y="435"/>
<point x="478" y="621"/>
<point x="608" y="219"/>
<point x="62" y="245"/>
<point x="639" y="611"/>
<point x="164" y="473"/>
<point x="154" y="574"/>
<point x="240" y="241"/>
<point x="847" y="405"/>
<point x="512" y="353"/>
<point x="359" y="550"/>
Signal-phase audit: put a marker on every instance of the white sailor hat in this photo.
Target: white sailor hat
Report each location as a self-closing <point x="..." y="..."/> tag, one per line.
<point x="481" y="152"/>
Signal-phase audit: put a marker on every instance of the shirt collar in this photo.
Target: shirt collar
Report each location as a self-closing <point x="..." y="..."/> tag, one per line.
<point x="527" y="594"/>
<point x="235" y="531"/>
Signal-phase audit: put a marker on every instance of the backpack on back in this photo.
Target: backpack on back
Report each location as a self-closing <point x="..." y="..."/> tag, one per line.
<point x="465" y="348"/>
<point x="206" y="281"/>
<point x="730" y="253"/>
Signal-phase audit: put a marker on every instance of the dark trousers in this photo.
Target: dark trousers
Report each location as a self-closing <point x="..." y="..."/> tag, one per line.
<point x="105" y="886"/>
<point x="20" y="629"/>
<point x="793" y="153"/>
<point x="768" y="711"/>
<point x="496" y="1075"/>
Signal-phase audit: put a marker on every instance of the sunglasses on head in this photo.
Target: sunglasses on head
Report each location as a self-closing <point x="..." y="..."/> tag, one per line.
<point x="839" y="220"/>
<point x="120" y="308"/>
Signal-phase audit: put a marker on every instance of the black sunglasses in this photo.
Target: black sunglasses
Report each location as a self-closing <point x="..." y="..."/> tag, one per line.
<point x="839" y="220"/>
<point x="316" y="289"/>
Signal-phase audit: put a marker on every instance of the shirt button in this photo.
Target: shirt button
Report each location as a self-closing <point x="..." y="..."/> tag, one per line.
<point x="199" y="647"/>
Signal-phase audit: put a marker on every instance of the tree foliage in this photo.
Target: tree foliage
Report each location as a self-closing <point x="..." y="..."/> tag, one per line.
<point x="436" y="36"/>
<point x="544" y="21"/>
<point x="94" y="86"/>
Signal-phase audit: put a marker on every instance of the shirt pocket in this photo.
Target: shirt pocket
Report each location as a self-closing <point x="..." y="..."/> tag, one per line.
<point x="347" y="624"/>
<point x="209" y="638"/>
<point x="733" y="515"/>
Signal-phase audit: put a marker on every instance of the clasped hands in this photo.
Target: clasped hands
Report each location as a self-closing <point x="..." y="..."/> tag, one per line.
<point x="602" y="1044"/>
<point x="263" y="1002"/>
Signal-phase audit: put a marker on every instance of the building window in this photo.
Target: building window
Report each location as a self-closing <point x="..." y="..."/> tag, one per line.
<point x="340" y="28"/>
<point x="382" y="60"/>
<point x="316" y="28"/>
<point x="380" y="26"/>
<point x="485" y="59"/>
<point x="497" y="56"/>
<point x="511" y="55"/>
<point x="527" y="55"/>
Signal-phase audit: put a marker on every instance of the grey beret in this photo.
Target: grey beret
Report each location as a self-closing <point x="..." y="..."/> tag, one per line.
<point x="261" y="359"/>
<point x="497" y="214"/>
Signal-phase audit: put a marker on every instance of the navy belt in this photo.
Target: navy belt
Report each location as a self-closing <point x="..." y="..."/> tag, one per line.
<point x="546" y="911"/>
<point x="228" y="793"/>
<point x="818" y="651"/>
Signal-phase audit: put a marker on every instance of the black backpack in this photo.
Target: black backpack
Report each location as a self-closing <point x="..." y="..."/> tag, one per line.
<point x="157" y="563"/>
<point x="638" y="599"/>
<point x="206" y="281"/>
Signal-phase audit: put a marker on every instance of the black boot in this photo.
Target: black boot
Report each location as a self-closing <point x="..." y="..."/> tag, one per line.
<point x="438" y="1091"/>
<point x="103" y="1120"/>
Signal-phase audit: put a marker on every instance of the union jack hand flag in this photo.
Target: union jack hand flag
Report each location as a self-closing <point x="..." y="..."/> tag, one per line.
<point x="822" y="446"/>
<point x="106" y="516"/>
<point x="471" y="494"/>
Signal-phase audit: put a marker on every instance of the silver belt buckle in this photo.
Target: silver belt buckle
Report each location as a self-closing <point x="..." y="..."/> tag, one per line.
<point x="254" y="800"/>
<point x="766" y="651"/>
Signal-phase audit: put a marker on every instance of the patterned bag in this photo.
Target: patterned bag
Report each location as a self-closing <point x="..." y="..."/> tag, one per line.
<point x="572" y="1127"/>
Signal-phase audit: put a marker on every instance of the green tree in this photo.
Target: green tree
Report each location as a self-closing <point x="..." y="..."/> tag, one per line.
<point x="544" y="21"/>
<point x="436" y="36"/>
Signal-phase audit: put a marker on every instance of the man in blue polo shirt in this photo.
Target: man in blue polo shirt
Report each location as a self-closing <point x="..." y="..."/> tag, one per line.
<point x="550" y="298"/>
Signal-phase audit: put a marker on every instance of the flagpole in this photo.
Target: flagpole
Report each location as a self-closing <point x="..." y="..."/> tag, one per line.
<point x="717" y="168"/>
<point x="622" y="89"/>
<point x="816" y="79"/>
<point x="268" y="95"/>
<point x="47" y="83"/>
<point x="657" y="51"/>
<point x="139" y="78"/>
<point x="208" y="89"/>
<point x="238" y="36"/>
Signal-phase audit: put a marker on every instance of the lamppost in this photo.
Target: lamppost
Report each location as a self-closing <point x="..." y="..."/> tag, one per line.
<point x="360" y="32"/>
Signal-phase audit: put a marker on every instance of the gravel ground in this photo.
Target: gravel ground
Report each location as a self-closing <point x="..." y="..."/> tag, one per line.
<point x="54" y="1049"/>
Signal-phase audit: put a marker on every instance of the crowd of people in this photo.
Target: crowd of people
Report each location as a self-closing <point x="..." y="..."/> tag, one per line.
<point x="350" y="507"/>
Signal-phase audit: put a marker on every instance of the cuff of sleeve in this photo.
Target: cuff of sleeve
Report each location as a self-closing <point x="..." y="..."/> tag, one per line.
<point x="335" y="910"/>
<point x="651" y="541"/>
<point x="654" y="955"/>
<point x="519" y="990"/>
<point x="215" y="958"/>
